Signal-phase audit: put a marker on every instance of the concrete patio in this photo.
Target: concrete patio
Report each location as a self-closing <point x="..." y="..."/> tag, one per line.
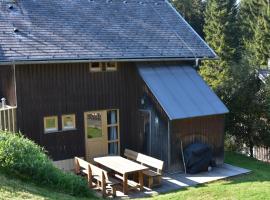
<point x="172" y="182"/>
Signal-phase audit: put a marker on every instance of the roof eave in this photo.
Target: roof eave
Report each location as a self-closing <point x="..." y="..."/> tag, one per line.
<point x="87" y="60"/>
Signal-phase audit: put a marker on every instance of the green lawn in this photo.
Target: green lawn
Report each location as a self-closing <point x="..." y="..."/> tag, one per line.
<point x="253" y="186"/>
<point x="94" y="132"/>
<point x="18" y="190"/>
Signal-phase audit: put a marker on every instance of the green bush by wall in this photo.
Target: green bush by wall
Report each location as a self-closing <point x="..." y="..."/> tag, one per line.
<point x="23" y="158"/>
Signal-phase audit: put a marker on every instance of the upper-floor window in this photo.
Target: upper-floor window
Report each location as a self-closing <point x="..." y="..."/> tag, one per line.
<point x="102" y="66"/>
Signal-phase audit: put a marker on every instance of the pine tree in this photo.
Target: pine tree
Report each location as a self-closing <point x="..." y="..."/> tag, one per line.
<point x="192" y="11"/>
<point x="220" y="27"/>
<point x="255" y="29"/>
<point x="249" y="118"/>
<point x="249" y="103"/>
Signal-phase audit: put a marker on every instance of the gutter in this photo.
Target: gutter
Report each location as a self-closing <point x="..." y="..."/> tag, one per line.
<point x="56" y="61"/>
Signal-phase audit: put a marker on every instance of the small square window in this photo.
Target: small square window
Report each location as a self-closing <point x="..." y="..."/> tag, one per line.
<point x="68" y="122"/>
<point x="102" y="66"/>
<point x="111" y="66"/>
<point x="50" y="124"/>
<point x="95" y="67"/>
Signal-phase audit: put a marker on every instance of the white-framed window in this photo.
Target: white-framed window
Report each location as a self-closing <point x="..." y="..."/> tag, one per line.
<point x="111" y="66"/>
<point x="102" y="66"/>
<point x="68" y="122"/>
<point x="50" y="124"/>
<point x="95" y="67"/>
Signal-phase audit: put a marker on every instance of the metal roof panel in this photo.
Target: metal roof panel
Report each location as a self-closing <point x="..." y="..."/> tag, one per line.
<point x="181" y="92"/>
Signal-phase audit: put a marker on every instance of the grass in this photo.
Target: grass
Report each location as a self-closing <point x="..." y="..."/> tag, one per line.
<point x="252" y="186"/>
<point x="94" y="132"/>
<point x="255" y="185"/>
<point x="16" y="190"/>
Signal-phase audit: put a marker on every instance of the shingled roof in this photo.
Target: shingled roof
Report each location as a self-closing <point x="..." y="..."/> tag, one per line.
<point x="41" y="30"/>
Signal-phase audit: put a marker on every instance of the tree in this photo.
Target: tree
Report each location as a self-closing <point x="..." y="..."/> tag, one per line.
<point x="192" y="11"/>
<point x="249" y="120"/>
<point x="220" y="27"/>
<point x="249" y="100"/>
<point x="255" y="19"/>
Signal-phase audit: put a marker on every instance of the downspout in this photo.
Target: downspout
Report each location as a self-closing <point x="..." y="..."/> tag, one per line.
<point x="197" y="63"/>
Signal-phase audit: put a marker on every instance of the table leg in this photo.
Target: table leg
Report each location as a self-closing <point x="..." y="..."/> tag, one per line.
<point x="141" y="180"/>
<point x="125" y="184"/>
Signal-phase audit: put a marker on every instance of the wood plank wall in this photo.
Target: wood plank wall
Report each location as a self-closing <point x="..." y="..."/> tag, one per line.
<point x="209" y="130"/>
<point x="159" y="131"/>
<point x="7" y="85"/>
<point x="57" y="89"/>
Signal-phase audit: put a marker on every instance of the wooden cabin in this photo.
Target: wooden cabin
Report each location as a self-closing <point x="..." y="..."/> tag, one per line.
<point x="91" y="78"/>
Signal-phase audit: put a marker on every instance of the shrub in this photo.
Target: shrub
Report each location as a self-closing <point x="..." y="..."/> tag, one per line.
<point x="230" y="143"/>
<point x="26" y="160"/>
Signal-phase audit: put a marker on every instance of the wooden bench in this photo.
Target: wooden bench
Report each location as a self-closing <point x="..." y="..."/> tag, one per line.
<point x="155" y="165"/>
<point x="104" y="182"/>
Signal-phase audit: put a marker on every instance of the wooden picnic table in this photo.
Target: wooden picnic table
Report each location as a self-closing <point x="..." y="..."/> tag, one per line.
<point x="124" y="167"/>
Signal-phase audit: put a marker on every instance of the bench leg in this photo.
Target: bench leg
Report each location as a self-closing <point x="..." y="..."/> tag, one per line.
<point x="125" y="184"/>
<point x="150" y="181"/>
<point x="141" y="180"/>
<point x="90" y="183"/>
<point x="159" y="180"/>
<point x="114" y="191"/>
<point x="103" y="189"/>
<point x="98" y="184"/>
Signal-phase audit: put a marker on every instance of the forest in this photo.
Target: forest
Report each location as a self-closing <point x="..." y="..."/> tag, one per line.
<point x="239" y="33"/>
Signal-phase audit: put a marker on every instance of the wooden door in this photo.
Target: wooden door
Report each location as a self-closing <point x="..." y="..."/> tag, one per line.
<point x="96" y="136"/>
<point x="145" y="131"/>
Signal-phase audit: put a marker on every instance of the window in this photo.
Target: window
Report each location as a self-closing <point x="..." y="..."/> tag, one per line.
<point x="50" y="124"/>
<point x="103" y="66"/>
<point x="113" y="132"/>
<point x="94" y="125"/>
<point x="68" y="122"/>
<point x="95" y="67"/>
<point x="111" y="66"/>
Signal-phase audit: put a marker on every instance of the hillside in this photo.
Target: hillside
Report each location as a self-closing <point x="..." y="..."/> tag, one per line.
<point x="253" y="186"/>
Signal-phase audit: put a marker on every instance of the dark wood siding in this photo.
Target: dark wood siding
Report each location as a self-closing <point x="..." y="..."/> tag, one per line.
<point x="159" y="131"/>
<point x="46" y="90"/>
<point x="57" y="89"/>
<point x="7" y="84"/>
<point x="208" y="130"/>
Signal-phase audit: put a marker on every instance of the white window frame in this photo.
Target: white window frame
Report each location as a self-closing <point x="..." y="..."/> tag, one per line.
<point x="108" y="68"/>
<point x="73" y="116"/>
<point x="95" y="69"/>
<point x="51" y="130"/>
<point x="103" y="67"/>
